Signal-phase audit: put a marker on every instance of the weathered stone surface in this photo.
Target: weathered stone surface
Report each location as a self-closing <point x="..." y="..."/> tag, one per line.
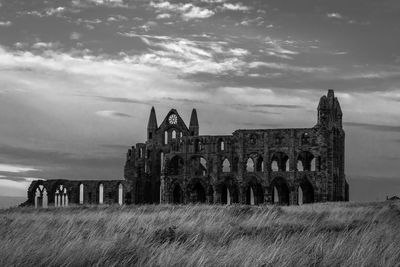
<point x="177" y="165"/>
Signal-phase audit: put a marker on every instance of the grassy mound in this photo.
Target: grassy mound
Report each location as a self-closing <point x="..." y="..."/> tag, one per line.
<point x="329" y="234"/>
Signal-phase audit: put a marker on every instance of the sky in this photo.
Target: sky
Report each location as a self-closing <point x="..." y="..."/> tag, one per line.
<point x="78" y="79"/>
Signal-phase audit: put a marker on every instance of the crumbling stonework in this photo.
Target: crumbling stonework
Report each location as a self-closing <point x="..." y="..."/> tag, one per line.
<point x="177" y="165"/>
<point x="283" y="166"/>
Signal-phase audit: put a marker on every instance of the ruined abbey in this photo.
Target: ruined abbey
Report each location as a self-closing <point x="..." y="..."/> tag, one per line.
<point x="176" y="165"/>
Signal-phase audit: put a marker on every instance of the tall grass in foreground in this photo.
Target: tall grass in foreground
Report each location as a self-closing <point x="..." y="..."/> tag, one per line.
<point x="331" y="234"/>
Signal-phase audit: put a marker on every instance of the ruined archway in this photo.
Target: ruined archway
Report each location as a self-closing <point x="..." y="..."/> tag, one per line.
<point x="280" y="191"/>
<point x="279" y="162"/>
<point x="254" y="194"/>
<point x="198" y="166"/>
<point x="175" y="166"/>
<point x="177" y="197"/>
<point x="305" y="192"/>
<point x="196" y="192"/>
<point x="147" y="194"/>
<point x="227" y="192"/>
<point x="305" y="161"/>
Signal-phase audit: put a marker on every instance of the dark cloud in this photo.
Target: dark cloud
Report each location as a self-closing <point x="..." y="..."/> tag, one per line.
<point x="373" y="127"/>
<point x="48" y="158"/>
<point x="184" y="100"/>
<point x="260" y="125"/>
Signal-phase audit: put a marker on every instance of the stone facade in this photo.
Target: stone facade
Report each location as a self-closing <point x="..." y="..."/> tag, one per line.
<point x="254" y="166"/>
<point x="282" y="166"/>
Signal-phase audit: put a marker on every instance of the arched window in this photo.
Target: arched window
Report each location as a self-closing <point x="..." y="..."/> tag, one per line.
<point x="305" y="161"/>
<point x="173" y="134"/>
<point x="101" y="194"/>
<point x="120" y="194"/>
<point x="313" y="166"/>
<point x="226" y="166"/>
<point x="279" y="162"/>
<point x="165" y="137"/>
<point x="260" y="164"/>
<point x="41" y="199"/>
<point x="61" y="197"/>
<point x="300" y="166"/>
<point x="274" y="166"/>
<point x="250" y="165"/>
<point x="81" y="193"/>
<point x="221" y="145"/>
<point x="161" y="161"/>
<point x="203" y="166"/>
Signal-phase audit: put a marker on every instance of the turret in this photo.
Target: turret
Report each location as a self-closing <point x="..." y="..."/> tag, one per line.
<point x="329" y="111"/>
<point x="152" y="125"/>
<point x="194" y="124"/>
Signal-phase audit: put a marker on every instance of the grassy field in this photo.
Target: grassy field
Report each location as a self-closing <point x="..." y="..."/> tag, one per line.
<point x="331" y="234"/>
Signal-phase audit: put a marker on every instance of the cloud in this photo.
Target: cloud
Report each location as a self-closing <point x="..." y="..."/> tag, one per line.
<point x="75" y="36"/>
<point x="187" y="11"/>
<point x="197" y="13"/>
<point x="55" y="11"/>
<point x="107" y="3"/>
<point x="5" y="23"/>
<point x="43" y="45"/>
<point x="235" y="7"/>
<point x="123" y="100"/>
<point x="189" y="56"/>
<point x="112" y="114"/>
<point x="334" y="15"/>
<point x="163" y="16"/>
<point x="374" y="127"/>
<point x="276" y="48"/>
<point x="117" y="18"/>
<point x="16" y="168"/>
<point x="287" y="67"/>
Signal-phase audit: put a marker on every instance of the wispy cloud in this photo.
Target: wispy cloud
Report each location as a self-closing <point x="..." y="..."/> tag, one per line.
<point x="374" y="127"/>
<point x="16" y="168"/>
<point x="187" y="11"/>
<point x="112" y="114"/>
<point x="5" y="23"/>
<point x="235" y="7"/>
<point x="334" y="15"/>
<point x="287" y="67"/>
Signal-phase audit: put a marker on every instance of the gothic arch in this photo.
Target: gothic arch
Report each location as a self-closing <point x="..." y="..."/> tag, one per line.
<point x="260" y="164"/>
<point x="305" y="161"/>
<point x="280" y="191"/>
<point x="226" y="165"/>
<point x="41" y="196"/>
<point x="250" y="165"/>
<point x="279" y="162"/>
<point x="198" y="166"/>
<point x="227" y="191"/>
<point x="175" y="165"/>
<point x="61" y="196"/>
<point x="177" y="194"/>
<point x="254" y="193"/>
<point x="196" y="191"/>
<point x="305" y="192"/>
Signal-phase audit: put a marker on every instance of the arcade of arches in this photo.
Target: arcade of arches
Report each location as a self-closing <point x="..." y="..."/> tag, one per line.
<point x="279" y="192"/>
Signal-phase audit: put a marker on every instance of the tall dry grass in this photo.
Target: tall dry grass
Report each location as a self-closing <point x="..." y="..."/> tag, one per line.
<point x="331" y="234"/>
